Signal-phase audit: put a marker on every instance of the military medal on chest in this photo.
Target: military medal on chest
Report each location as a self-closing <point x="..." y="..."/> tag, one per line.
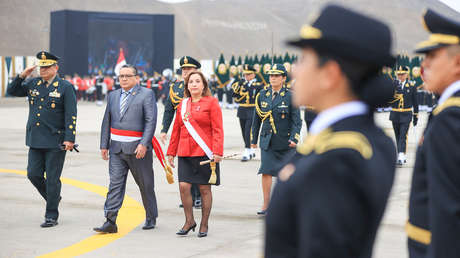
<point x="55" y="94"/>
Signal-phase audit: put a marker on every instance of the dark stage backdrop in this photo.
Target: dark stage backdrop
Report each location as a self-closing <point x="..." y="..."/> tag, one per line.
<point x="91" y="41"/>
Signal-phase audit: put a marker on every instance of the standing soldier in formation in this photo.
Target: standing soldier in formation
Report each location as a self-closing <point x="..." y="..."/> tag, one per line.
<point x="176" y="94"/>
<point x="279" y="123"/>
<point x="434" y="204"/>
<point x="244" y="92"/>
<point x="330" y="198"/>
<point x="50" y="130"/>
<point x="99" y="87"/>
<point x="405" y="99"/>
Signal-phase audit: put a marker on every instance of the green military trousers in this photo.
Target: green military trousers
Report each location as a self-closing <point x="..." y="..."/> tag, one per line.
<point x="49" y="161"/>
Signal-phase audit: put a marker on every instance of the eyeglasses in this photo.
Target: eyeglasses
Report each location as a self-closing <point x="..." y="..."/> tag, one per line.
<point x="125" y="76"/>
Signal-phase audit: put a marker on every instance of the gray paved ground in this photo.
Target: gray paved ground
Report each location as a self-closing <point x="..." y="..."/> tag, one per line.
<point x="234" y="229"/>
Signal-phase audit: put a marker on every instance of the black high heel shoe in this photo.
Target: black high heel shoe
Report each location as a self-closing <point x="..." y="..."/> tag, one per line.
<point x="182" y="232"/>
<point x="202" y="234"/>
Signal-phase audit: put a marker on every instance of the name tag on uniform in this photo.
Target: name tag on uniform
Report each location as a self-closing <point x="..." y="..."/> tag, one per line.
<point x="283" y="106"/>
<point x="55" y="94"/>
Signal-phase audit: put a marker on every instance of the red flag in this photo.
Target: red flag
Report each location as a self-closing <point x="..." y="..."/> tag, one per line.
<point x="120" y="62"/>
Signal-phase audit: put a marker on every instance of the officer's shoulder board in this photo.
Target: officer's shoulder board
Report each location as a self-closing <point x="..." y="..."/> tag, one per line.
<point x="329" y="140"/>
<point x="450" y="102"/>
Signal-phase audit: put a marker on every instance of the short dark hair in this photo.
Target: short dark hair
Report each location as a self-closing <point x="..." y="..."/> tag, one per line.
<point x="130" y="66"/>
<point x="206" y="91"/>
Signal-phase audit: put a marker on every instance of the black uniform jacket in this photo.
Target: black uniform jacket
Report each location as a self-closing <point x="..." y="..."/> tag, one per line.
<point x="329" y="200"/>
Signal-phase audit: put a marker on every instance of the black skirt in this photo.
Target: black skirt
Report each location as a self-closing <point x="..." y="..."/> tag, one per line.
<point x="272" y="160"/>
<point x="190" y="171"/>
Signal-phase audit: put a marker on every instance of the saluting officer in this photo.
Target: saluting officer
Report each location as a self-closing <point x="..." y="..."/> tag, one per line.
<point x="434" y="204"/>
<point x="176" y="94"/>
<point x="279" y="123"/>
<point x="244" y="93"/>
<point x="50" y="129"/>
<point x="330" y="198"/>
<point x="405" y="99"/>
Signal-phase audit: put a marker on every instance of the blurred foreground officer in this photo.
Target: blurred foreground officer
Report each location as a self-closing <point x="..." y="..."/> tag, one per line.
<point x="126" y="141"/>
<point x="405" y="99"/>
<point x="51" y="123"/>
<point x="176" y="94"/>
<point x="330" y="198"/>
<point x="244" y="92"/>
<point x="434" y="208"/>
<point x="279" y="123"/>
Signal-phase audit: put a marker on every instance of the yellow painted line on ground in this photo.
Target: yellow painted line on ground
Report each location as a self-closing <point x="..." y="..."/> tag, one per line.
<point x="130" y="216"/>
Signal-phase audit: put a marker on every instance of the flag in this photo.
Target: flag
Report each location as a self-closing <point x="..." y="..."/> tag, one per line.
<point x="120" y="62"/>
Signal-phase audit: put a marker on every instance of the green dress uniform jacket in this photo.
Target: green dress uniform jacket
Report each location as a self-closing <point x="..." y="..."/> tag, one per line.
<point x="278" y="120"/>
<point x="176" y="94"/>
<point x="52" y="111"/>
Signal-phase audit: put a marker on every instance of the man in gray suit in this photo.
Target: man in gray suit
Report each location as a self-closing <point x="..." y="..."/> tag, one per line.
<point x="126" y="133"/>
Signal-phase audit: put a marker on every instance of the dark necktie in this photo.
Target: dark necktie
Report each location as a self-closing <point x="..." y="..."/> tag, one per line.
<point x="275" y="94"/>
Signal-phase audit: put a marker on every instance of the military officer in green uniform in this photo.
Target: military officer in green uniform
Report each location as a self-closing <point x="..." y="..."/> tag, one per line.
<point x="405" y="99"/>
<point x="245" y="92"/>
<point x="50" y="129"/>
<point x="176" y="92"/>
<point x="279" y="123"/>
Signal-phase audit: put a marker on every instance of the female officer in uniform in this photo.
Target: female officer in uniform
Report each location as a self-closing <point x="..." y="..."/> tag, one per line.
<point x="330" y="198"/>
<point x="280" y="123"/>
<point x="203" y="114"/>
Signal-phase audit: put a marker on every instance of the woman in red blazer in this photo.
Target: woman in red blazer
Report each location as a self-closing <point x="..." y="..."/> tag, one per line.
<point x="204" y="113"/>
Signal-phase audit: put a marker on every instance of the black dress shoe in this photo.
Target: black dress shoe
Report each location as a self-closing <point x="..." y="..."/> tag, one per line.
<point x="107" y="227"/>
<point x="197" y="203"/>
<point x="183" y="232"/>
<point x="262" y="212"/>
<point x="202" y="234"/>
<point x="181" y="205"/>
<point x="49" y="223"/>
<point x="149" y="224"/>
<point x="244" y="159"/>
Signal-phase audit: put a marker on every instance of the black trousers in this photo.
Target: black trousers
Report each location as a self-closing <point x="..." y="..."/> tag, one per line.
<point x="220" y="94"/>
<point x="229" y="96"/>
<point x="401" y="130"/>
<point x="51" y="162"/>
<point x="246" y="131"/>
<point x="99" y="93"/>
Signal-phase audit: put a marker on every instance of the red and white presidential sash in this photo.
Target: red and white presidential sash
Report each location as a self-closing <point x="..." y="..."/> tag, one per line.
<point x="120" y="135"/>
<point x="193" y="128"/>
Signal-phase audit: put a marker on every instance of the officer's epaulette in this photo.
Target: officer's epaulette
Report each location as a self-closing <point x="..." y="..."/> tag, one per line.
<point x="329" y="140"/>
<point x="266" y="87"/>
<point x="450" y="102"/>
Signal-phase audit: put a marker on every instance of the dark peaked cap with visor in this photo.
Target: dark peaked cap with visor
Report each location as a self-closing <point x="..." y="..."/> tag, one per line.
<point x="444" y="32"/>
<point x="348" y="34"/>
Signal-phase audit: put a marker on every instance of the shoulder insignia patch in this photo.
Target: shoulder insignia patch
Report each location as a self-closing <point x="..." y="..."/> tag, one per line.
<point x="328" y="140"/>
<point x="450" y="102"/>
